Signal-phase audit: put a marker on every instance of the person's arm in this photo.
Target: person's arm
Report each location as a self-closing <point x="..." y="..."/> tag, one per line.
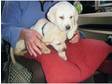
<point x="11" y="16"/>
<point x="12" y="30"/>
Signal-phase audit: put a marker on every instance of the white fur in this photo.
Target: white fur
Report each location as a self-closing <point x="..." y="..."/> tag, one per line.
<point x="65" y="10"/>
<point x="52" y="36"/>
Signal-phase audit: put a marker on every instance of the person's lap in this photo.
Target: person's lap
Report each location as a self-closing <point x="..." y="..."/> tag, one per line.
<point x="88" y="54"/>
<point x="83" y="59"/>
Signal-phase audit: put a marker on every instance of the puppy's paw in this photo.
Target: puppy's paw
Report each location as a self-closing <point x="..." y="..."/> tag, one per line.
<point x="63" y="55"/>
<point x="46" y="50"/>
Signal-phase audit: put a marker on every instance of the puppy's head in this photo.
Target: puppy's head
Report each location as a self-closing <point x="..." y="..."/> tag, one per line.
<point x="64" y="15"/>
<point x="54" y="36"/>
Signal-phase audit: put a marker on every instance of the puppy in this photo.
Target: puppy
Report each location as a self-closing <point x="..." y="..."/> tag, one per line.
<point x="65" y="16"/>
<point x="52" y="35"/>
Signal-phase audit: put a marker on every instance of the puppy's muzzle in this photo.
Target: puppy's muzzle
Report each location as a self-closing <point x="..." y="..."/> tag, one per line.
<point x="68" y="27"/>
<point x="64" y="49"/>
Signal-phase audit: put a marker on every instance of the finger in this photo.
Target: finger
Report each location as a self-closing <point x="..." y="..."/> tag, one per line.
<point x="43" y="46"/>
<point x="40" y="44"/>
<point x="38" y="35"/>
<point x="31" y="49"/>
<point x="36" y="48"/>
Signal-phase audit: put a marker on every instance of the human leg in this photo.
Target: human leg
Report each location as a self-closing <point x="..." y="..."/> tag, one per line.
<point x="82" y="62"/>
<point x="34" y="67"/>
<point x="88" y="54"/>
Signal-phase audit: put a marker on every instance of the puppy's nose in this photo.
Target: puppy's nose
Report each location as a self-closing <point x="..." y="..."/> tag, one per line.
<point x="67" y="27"/>
<point x="64" y="49"/>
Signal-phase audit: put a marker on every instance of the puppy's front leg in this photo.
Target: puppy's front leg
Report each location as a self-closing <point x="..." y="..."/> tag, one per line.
<point x="70" y="34"/>
<point x="63" y="55"/>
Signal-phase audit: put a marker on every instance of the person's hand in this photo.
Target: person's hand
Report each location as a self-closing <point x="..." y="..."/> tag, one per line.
<point x="75" y="38"/>
<point x="33" y="41"/>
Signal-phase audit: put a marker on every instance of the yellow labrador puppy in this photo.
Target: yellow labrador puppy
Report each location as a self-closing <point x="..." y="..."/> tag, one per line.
<point x="65" y="16"/>
<point x="52" y="35"/>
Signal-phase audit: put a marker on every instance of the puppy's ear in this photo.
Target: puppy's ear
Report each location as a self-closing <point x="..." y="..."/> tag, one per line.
<point x="51" y="14"/>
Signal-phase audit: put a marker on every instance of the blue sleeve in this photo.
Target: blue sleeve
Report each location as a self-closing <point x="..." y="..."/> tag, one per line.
<point x="11" y="16"/>
<point x="82" y="35"/>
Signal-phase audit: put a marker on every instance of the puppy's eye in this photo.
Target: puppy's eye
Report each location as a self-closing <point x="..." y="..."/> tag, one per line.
<point x="61" y="17"/>
<point x="71" y="17"/>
